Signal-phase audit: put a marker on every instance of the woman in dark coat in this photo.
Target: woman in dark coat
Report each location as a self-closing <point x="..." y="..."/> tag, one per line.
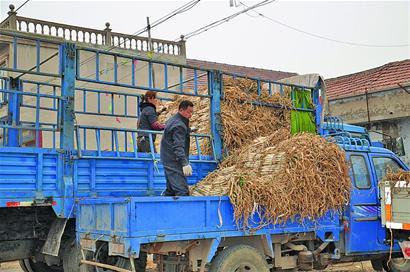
<point x="148" y="121"/>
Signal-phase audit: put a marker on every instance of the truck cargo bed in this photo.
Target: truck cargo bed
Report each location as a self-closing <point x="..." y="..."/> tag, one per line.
<point x="135" y="221"/>
<point x="395" y="205"/>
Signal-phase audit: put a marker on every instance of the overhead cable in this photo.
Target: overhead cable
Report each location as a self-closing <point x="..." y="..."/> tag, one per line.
<point x="22" y="5"/>
<point x="324" y="37"/>
<point x="164" y="18"/>
<point x="224" y="20"/>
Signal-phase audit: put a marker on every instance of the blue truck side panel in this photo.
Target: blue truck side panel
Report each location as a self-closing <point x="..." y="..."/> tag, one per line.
<point x="140" y="220"/>
<point x="119" y="177"/>
<point x="27" y="174"/>
<point x="30" y="173"/>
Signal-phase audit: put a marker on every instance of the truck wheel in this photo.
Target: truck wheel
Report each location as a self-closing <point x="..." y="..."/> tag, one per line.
<point x="377" y="264"/>
<point x="141" y="262"/>
<point x="397" y="265"/>
<point x="101" y="255"/>
<point x="72" y="258"/>
<point x="239" y="258"/>
<point x="28" y="265"/>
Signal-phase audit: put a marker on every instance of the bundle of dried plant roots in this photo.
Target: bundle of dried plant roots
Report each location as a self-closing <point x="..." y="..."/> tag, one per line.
<point x="301" y="177"/>
<point x="199" y="120"/>
<point x="242" y="121"/>
<point x="268" y="172"/>
<point x="400" y="176"/>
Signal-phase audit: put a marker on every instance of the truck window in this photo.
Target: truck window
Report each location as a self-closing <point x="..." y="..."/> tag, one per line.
<point x="360" y="172"/>
<point x="383" y="164"/>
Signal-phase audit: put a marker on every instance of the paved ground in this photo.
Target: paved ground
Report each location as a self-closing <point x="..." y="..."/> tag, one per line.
<point x="15" y="267"/>
<point x="10" y="267"/>
<point x="359" y="266"/>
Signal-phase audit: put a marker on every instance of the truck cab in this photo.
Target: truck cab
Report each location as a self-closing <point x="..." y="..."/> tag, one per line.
<point x="364" y="216"/>
<point x="369" y="163"/>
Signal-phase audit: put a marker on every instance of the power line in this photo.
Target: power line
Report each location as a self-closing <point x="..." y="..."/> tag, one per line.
<point x="324" y="37"/>
<point x="22" y="5"/>
<point x="180" y="10"/>
<point x="224" y="20"/>
<point x="202" y="29"/>
<point x="41" y="63"/>
<point x="164" y="18"/>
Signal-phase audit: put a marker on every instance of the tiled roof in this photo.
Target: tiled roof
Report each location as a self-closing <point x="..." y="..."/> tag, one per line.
<point x="380" y="78"/>
<point x="235" y="69"/>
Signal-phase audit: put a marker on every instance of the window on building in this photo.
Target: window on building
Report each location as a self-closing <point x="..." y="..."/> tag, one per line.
<point x="360" y="172"/>
<point x="384" y="164"/>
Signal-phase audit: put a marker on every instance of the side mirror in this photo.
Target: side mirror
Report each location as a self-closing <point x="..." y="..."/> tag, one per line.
<point x="396" y="145"/>
<point x="399" y="147"/>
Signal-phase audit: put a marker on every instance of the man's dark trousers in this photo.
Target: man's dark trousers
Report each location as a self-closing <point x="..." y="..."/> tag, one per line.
<point x="176" y="182"/>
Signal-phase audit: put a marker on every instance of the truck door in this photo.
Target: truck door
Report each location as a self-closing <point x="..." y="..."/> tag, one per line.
<point x="381" y="164"/>
<point x="362" y="214"/>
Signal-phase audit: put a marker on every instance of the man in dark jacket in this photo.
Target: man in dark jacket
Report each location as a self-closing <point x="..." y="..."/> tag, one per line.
<point x="148" y="121"/>
<point x="175" y="150"/>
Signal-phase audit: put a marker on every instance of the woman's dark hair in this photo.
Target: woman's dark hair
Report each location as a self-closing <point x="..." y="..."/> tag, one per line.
<point x="148" y="94"/>
<point x="185" y="104"/>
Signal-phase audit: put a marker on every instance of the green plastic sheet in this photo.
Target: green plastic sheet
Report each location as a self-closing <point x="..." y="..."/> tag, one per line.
<point x="302" y="121"/>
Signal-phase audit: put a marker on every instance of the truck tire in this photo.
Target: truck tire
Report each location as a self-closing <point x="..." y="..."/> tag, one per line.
<point x="397" y="265"/>
<point x="377" y="265"/>
<point x="72" y="258"/>
<point x="141" y="262"/>
<point x="101" y="255"/>
<point x="28" y="265"/>
<point x="239" y="258"/>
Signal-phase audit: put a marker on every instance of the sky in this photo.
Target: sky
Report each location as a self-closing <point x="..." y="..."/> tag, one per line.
<point x="252" y="40"/>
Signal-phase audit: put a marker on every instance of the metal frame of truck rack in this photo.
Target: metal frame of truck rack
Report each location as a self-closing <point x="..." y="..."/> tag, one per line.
<point x="72" y="147"/>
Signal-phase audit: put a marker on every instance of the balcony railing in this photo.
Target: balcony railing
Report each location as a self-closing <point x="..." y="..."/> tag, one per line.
<point x="92" y="36"/>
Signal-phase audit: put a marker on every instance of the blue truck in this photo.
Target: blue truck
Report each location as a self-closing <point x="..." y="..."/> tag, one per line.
<point x="77" y="206"/>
